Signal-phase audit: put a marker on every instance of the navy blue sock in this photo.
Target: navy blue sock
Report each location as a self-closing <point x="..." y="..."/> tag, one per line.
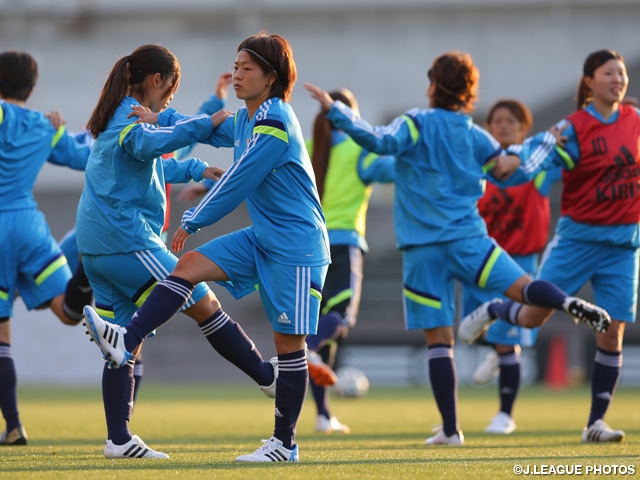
<point x="442" y="373"/>
<point x="507" y="311"/>
<point x="543" y="294"/>
<point x="606" y="373"/>
<point x="117" y="395"/>
<point x="291" y="389"/>
<point x="8" y="391"/>
<point x="328" y="327"/>
<point x="230" y="341"/>
<point x="77" y="294"/>
<point x="138" y="373"/>
<point x="509" y="381"/>
<point x="164" y="301"/>
<point x="320" y="395"/>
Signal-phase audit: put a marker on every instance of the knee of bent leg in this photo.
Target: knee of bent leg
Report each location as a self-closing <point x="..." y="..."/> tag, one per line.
<point x="185" y="263"/>
<point x="204" y="308"/>
<point x="193" y="267"/>
<point x="5" y="330"/>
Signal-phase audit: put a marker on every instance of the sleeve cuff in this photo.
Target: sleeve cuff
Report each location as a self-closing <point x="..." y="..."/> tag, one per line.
<point x="189" y="230"/>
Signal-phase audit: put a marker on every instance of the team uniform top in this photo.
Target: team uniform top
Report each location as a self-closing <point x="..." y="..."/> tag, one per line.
<point x="441" y="158"/>
<point x="27" y="141"/>
<point x="272" y="172"/>
<point x="518" y="217"/>
<point x="600" y="201"/>
<point x="122" y="206"/>
<point x="347" y="188"/>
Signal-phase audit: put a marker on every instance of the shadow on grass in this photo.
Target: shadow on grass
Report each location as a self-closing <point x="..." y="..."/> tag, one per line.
<point x="185" y="466"/>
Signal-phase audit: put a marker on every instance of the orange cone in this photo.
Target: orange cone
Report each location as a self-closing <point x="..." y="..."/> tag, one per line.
<point x="557" y="365"/>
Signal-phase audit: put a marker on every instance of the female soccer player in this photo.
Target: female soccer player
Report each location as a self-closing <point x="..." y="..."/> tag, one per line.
<point x="284" y="254"/>
<point x="344" y="174"/>
<point x="31" y="264"/>
<point x="120" y="219"/>
<point x="597" y="235"/>
<point x="518" y="218"/>
<point x="69" y="243"/>
<point x="441" y="162"/>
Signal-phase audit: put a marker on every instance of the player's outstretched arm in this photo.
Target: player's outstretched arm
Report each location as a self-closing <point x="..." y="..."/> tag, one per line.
<point x="320" y="95"/>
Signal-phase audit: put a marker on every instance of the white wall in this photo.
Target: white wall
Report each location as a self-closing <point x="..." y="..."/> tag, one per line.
<point x="47" y="352"/>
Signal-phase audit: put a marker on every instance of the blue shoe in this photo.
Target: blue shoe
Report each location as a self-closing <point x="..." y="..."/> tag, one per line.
<point x="271" y="451"/>
<point x="108" y="337"/>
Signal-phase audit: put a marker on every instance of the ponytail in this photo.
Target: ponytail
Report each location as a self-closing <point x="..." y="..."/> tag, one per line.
<point x="321" y="150"/>
<point x="584" y="97"/>
<point x="322" y="128"/>
<point x="114" y="90"/>
<point x="127" y="77"/>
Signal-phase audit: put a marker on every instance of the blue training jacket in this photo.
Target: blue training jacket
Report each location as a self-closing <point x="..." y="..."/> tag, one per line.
<point x="442" y="160"/>
<point x="122" y="206"/>
<point x="27" y="141"/>
<point x="272" y="173"/>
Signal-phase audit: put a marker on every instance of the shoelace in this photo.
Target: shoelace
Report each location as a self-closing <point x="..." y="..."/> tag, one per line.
<point x="266" y="445"/>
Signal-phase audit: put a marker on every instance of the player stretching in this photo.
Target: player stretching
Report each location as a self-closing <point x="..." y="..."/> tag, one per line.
<point x="441" y="161"/>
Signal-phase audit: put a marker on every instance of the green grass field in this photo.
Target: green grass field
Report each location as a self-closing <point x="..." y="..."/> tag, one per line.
<point x="203" y="428"/>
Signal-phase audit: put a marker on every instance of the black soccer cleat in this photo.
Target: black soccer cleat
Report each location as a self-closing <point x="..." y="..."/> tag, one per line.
<point x="582" y="311"/>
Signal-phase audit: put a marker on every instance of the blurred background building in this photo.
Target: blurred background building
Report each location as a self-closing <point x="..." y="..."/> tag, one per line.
<point x="531" y="50"/>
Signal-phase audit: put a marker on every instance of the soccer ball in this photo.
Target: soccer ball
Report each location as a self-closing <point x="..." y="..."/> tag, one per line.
<point x="352" y="383"/>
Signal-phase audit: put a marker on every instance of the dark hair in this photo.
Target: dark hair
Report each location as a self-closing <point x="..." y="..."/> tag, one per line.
<point x="273" y="53"/>
<point x="322" y="137"/>
<point x="456" y="80"/>
<point x="18" y="75"/>
<point x="594" y="61"/>
<point x="517" y="109"/>
<point x="127" y="76"/>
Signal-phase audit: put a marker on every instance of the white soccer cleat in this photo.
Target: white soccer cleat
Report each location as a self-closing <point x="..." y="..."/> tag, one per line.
<point x="134" y="448"/>
<point x="601" y="432"/>
<point x="271" y="451"/>
<point x="441" y="439"/>
<point x="476" y="323"/>
<point x="488" y="369"/>
<point x="270" y="390"/>
<point x="108" y="337"/>
<point x="501" y="423"/>
<point x="582" y="311"/>
<point x="331" y="425"/>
